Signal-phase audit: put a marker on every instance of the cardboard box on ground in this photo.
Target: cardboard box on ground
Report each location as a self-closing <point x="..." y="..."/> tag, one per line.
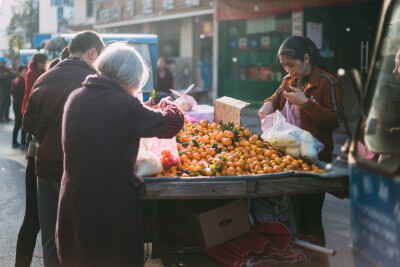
<point x="212" y="225"/>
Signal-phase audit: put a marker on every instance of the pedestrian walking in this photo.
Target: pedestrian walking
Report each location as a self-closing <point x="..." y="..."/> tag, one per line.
<point x="316" y="92"/>
<point x="42" y="118"/>
<point x="165" y="80"/>
<point x="99" y="220"/>
<point x="6" y="78"/>
<point x="18" y="92"/>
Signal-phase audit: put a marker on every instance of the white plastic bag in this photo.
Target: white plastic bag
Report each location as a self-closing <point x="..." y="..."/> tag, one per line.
<point x="185" y="101"/>
<point x="148" y="164"/>
<point x="289" y="138"/>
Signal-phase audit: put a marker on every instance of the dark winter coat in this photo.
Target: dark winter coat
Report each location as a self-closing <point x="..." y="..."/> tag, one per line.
<point x="6" y="77"/>
<point x="99" y="216"/>
<point x="32" y="75"/>
<point x="18" y="91"/>
<point x="43" y="113"/>
<point x="165" y="83"/>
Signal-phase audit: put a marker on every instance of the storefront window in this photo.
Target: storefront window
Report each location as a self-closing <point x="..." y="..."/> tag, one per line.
<point x="253" y="46"/>
<point x="380" y="139"/>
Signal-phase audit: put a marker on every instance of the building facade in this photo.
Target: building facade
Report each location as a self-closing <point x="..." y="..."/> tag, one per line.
<point x="5" y="16"/>
<point x="82" y="16"/>
<point x="54" y="15"/>
<point x="185" y="29"/>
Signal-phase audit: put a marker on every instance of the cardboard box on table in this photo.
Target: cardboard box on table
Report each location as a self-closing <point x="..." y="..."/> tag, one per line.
<point x="218" y="225"/>
<point x="227" y="109"/>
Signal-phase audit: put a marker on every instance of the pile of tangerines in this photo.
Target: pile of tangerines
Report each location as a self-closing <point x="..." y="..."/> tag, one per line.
<point x="211" y="149"/>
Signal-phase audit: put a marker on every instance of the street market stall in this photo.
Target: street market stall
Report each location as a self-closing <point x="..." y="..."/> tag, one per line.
<point x="193" y="184"/>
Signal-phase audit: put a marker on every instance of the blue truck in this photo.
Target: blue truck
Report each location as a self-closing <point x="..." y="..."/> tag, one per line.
<point x="371" y="113"/>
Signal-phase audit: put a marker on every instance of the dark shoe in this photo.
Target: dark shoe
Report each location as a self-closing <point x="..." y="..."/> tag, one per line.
<point x="8" y="119"/>
<point x="15" y="145"/>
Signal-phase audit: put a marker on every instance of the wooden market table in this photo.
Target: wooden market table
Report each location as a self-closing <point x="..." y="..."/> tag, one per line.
<point x="245" y="186"/>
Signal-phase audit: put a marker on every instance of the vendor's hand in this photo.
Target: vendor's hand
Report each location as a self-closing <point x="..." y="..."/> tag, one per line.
<point x="296" y="97"/>
<point x="148" y="103"/>
<point x="267" y="108"/>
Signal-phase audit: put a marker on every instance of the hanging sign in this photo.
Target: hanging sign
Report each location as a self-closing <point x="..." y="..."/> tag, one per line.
<point x="243" y="9"/>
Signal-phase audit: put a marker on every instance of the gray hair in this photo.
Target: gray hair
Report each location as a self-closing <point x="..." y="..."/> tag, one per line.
<point x="123" y="63"/>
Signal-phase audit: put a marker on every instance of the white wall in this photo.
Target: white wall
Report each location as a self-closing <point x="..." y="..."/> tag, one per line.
<point x="186" y="40"/>
<point x="47" y="17"/>
<point x="80" y="18"/>
<point x="5" y="16"/>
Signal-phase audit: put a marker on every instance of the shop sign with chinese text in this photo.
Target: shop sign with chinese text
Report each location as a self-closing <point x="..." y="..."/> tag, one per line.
<point x="243" y="9"/>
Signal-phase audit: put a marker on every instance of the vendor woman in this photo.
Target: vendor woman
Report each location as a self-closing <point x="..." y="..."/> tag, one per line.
<point x="316" y="92"/>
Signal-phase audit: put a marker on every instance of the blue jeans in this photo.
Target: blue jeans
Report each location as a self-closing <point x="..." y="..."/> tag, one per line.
<point x="48" y="192"/>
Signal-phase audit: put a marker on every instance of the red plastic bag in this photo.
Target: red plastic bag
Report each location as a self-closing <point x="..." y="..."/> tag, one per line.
<point x="157" y="146"/>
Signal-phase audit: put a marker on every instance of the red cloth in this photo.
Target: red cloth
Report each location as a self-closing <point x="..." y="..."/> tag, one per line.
<point x="32" y="75"/>
<point x="265" y="245"/>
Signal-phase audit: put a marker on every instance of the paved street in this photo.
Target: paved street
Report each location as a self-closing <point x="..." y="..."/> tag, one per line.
<point x="12" y="201"/>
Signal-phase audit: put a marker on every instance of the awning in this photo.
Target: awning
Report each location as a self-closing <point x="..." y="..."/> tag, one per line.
<point x="243" y="9"/>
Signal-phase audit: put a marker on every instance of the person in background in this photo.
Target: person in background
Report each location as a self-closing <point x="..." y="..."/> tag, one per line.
<point x="43" y="117"/>
<point x="99" y="219"/>
<point x="6" y="78"/>
<point x="64" y="53"/>
<point x="316" y="92"/>
<point x="18" y="92"/>
<point x="206" y="71"/>
<point x="165" y="80"/>
<point x="35" y="68"/>
<point x="53" y="63"/>
<point x="30" y="226"/>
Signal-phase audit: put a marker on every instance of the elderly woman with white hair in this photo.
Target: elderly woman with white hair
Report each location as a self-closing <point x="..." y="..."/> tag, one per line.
<point x="99" y="218"/>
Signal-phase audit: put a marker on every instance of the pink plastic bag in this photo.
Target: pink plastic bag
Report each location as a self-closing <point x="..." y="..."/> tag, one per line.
<point x="185" y="101"/>
<point x="291" y="113"/>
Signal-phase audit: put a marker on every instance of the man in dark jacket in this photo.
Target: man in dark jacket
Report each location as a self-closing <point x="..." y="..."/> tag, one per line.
<point x="43" y="117"/>
<point x="6" y="78"/>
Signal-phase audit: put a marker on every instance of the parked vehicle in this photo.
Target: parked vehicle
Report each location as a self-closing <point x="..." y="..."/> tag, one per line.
<point x="372" y="117"/>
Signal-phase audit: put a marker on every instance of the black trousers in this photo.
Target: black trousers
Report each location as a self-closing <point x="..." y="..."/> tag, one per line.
<point x="18" y="125"/>
<point x="309" y="208"/>
<point x="30" y="226"/>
